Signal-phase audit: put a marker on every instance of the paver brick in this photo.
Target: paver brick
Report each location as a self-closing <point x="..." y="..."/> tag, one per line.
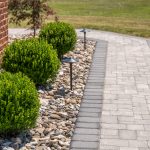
<point x="108" y="147"/>
<point x="128" y="148"/>
<point x="109" y="119"/>
<point x="89" y="101"/>
<point x="95" y="110"/>
<point x="126" y="119"/>
<point x="93" y="93"/>
<point x="99" y="75"/>
<point x="88" y="125"/>
<point x="82" y="149"/>
<point x="127" y="134"/>
<point x="85" y="137"/>
<point x="109" y="132"/>
<point x="143" y="148"/>
<point x="135" y="127"/>
<point x="85" y="145"/>
<point x="138" y="143"/>
<point x="113" y="126"/>
<point x="86" y="131"/>
<point x="103" y="136"/>
<point x="87" y="105"/>
<point x="94" y="84"/>
<point x="145" y="134"/>
<point x="89" y="119"/>
<point x="114" y="142"/>
<point x="89" y="114"/>
<point x="92" y="90"/>
<point x="92" y="97"/>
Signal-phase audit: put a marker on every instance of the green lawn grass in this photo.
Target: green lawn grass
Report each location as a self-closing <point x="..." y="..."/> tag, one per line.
<point x="123" y="16"/>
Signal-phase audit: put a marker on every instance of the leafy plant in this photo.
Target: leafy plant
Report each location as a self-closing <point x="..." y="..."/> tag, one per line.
<point x="33" y="10"/>
<point x="61" y="35"/>
<point x="19" y="103"/>
<point x="35" y="58"/>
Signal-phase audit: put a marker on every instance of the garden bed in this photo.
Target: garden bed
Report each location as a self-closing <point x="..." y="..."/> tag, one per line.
<point x="59" y="106"/>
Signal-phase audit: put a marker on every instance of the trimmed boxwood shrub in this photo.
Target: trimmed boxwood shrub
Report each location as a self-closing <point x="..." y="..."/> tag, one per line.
<point x="61" y="35"/>
<point x="35" y="58"/>
<point x="19" y="103"/>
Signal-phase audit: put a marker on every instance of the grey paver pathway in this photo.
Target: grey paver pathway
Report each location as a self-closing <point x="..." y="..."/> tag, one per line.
<point x="118" y="118"/>
<point x="125" y="104"/>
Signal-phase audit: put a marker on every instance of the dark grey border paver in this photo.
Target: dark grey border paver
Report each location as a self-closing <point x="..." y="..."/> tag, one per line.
<point x="84" y="144"/>
<point x="85" y="114"/>
<point x="83" y="137"/>
<point x="148" y="42"/>
<point x="87" y="130"/>
<point x="87" y="125"/>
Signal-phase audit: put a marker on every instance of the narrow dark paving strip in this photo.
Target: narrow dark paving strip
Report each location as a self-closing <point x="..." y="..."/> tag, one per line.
<point x="87" y="131"/>
<point x="148" y="42"/>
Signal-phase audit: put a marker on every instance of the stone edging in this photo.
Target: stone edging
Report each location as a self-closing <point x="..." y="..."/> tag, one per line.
<point x="87" y="131"/>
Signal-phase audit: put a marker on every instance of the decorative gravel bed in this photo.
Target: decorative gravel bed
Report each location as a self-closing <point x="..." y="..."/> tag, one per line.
<point x="59" y="106"/>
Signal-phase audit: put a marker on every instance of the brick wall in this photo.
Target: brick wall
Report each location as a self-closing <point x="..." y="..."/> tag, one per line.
<point x="3" y="24"/>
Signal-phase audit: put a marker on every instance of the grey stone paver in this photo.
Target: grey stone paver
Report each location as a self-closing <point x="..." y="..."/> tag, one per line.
<point x="89" y="119"/>
<point x="85" y="114"/>
<point x="81" y="149"/>
<point x="88" y="125"/>
<point x="93" y="97"/>
<point x="90" y="110"/>
<point x="128" y="134"/>
<point x="86" y="131"/>
<point x="85" y="137"/>
<point x="84" y="145"/>
<point x="87" y="105"/>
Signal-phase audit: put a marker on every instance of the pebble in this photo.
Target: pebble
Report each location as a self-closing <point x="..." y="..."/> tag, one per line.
<point x="8" y="148"/>
<point x="55" y="116"/>
<point x="59" y="105"/>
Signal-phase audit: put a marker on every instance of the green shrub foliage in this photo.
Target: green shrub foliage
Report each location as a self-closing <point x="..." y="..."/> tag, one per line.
<point x="35" y="58"/>
<point x="61" y="35"/>
<point x="19" y="103"/>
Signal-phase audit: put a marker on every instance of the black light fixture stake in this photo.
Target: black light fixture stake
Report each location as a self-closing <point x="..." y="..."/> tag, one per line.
<point x="84" y="31"/>
<point x="71" y="76"/>
<point x="70" y="61"/>
<point x="85" y="40"/>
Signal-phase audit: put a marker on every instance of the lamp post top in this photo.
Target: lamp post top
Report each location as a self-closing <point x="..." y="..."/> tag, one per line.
<point x="69" y="60"/>
<point x="85" y="30"/>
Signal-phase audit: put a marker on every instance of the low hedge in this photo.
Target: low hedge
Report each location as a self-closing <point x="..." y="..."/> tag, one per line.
<point x="19" y="103"/>
<point x="61" y="35"/>
<point x="33" y="57"/>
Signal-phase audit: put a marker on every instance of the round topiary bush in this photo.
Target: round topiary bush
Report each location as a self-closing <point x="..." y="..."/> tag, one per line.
<point x="19" y="103"/>
<point x="61" y="35"/>
<point x="35" y="58"/>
